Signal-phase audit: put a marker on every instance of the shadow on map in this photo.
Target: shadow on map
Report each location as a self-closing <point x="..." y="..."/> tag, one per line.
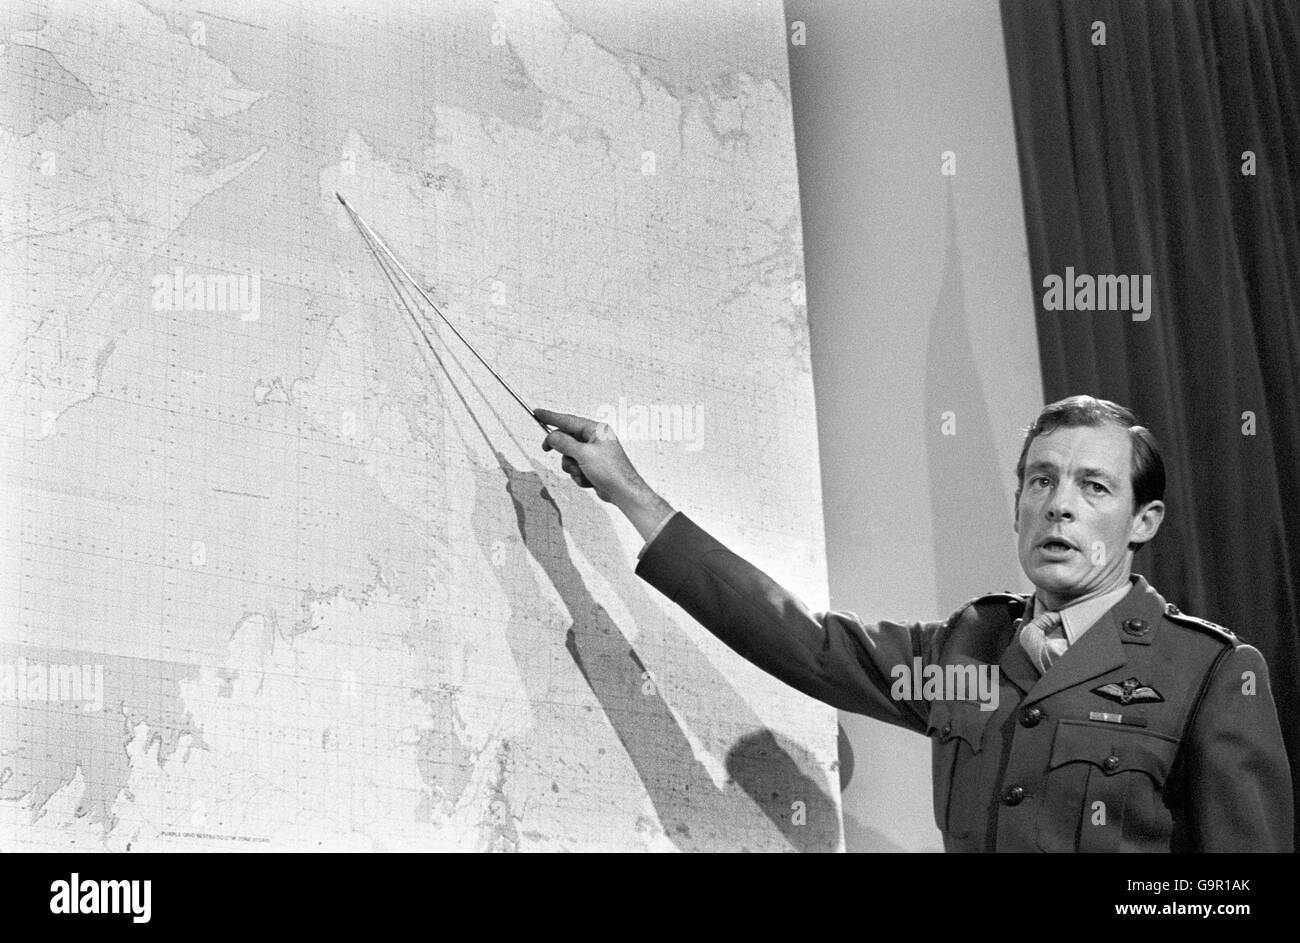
<point x="694" y="813"/>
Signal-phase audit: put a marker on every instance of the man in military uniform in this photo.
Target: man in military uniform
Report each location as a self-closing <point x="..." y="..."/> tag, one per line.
<point x="1119" y="724"/>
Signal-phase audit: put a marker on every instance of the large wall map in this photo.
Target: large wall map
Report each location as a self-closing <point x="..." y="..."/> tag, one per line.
<point x="276" y="575"/>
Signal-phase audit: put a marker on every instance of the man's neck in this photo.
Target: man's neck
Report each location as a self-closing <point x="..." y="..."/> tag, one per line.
<point x="1047" y="601"/>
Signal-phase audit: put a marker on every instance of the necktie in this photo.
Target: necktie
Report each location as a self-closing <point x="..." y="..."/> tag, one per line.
<point x="1044" y="640"/>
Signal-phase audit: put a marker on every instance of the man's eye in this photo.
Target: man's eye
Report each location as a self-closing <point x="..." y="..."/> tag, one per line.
<point x="1101" y="489"/>
<point x="1039" y="480"/>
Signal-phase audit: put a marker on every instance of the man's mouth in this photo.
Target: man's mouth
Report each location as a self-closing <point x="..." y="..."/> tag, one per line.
<point x="1056" y="545"/>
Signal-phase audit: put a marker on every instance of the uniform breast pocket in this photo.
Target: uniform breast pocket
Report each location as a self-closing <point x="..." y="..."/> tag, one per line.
<point x="1104" y="789"/>
<point x="956" y="730"/>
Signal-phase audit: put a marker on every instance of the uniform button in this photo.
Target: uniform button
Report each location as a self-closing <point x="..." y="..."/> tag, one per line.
<point x="1172" y="609"/>
<point x="1135" y="626"/>
<point x="1013" y="795"/>
<point x="947" y="730"/>
<point x="1112" y="763"/>
<point x="1030" y="716"/>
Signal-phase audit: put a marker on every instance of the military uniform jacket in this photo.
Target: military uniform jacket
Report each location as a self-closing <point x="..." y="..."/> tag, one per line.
<point x="1155" y="731"/>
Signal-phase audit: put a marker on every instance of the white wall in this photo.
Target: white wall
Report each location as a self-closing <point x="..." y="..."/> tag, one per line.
<point x="919" y="303"/>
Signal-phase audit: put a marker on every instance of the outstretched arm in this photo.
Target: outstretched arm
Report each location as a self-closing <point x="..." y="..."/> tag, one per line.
<point x="830" y="656"/>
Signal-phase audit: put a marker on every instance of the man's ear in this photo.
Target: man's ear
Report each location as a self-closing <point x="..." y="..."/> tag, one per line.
<point x="1015" y="513"/>
<point x="1146" y="522"/>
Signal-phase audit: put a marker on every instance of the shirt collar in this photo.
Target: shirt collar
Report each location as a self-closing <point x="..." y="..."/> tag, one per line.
<point x="1082" y="614"/>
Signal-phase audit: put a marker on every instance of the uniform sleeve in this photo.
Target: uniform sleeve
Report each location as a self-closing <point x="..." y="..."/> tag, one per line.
<point x="1238" y="782"/>
<point x="658" y="529"/>
<point x="832" y="656"/>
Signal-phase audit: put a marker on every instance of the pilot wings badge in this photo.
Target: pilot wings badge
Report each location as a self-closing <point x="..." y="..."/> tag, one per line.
<point x="1129" y="691"/>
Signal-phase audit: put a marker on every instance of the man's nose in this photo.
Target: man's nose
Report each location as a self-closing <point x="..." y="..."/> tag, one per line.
<point x="1059" y="507"/>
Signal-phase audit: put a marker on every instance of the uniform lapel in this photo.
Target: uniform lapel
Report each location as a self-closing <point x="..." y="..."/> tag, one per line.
<point x="1015" y="664"/>
<point x="1100" y="650"/>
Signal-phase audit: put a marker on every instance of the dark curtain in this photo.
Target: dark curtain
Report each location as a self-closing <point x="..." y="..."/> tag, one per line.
<point x="1131" y="157"/>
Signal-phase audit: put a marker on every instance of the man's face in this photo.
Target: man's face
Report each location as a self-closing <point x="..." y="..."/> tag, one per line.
<point x="1075" y="516"/>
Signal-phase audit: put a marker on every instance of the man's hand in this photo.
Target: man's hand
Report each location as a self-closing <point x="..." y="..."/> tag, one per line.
<point x="594" y="458"/>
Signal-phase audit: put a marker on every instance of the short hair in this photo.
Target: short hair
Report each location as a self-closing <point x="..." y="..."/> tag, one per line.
<point x="1147" y="468"/>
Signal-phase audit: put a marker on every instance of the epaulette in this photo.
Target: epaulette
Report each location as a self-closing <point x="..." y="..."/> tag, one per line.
<point x="1003" y="597"/>
<point x="1224" y="635"/>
